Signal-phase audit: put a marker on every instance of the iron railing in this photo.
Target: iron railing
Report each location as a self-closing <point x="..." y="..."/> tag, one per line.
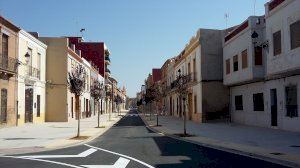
<point x="107" y="58"/>
<point x="186" y="79"/>
<point x="34" y="72"/>
<point x="107" y="70"/>
<point x="8" y="63"/>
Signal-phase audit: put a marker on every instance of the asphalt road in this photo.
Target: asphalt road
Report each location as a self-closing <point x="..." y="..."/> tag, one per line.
<point x="129" y="143"/>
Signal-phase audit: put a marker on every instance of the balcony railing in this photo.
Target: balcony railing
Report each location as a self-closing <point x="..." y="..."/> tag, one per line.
<point x="186" y="79"/>
<point x="107" y="58"/>
<point x="8" y="64"/>
<point x="107" y="70"/>
<point x="33" y="72"/>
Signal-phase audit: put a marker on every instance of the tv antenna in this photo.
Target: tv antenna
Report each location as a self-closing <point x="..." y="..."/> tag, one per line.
<point x="226" y="16"/>
<point x="254" y="7"/>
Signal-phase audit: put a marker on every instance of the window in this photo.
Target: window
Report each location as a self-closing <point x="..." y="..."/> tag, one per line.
<point x="291" y="101"/>
<point x="235" y="63"/>
<point x="195" y="104"/>
<point x="228" y="66"/>
<point x="5" y="45"/>
<point x="244" y="59"/>
<point x="29" y="51"/>
<point x="258" y="55"/>
<point x="295" y="35"/>
<point x="277" y="43"/>
<point x="238" y="102"/>
<point x="258" y="102"/>
<point x="4" y="51"/>
<point x="38" y="110"/>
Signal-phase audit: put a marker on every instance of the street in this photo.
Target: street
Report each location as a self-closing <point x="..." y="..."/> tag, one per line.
<point x="129" y="143"/>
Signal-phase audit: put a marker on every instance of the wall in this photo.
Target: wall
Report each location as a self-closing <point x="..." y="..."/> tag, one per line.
<point x="56" y="76"/>
<point x="263" y="118"/>
<point x="280" y="18"/>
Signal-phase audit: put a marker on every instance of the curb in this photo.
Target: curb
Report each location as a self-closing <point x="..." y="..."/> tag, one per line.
<point x="45" y="148"/>
<point x="230" y="150"/>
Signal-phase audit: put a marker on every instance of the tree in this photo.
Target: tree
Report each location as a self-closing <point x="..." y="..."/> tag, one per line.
<point x="182" y="90"/>
<point x="76" y="84"/>
<point x="97" y="92"/>
<point x="150" y="96"/>
<point x="118" y="101"/>
<point x="157" y="95"/>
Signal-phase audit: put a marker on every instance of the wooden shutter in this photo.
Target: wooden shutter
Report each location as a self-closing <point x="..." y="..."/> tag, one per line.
<point x="244" y="59"/>
<point x="295" y="35"/>
<point x="228" y="66"/>
<point x="277" y="43"/>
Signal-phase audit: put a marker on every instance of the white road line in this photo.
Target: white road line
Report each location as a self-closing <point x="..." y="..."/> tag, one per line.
<point x="125" y="156"/>
<point x="82" y="154"/>
<point x="41" y="160"/>
<point x="120" y="163"/>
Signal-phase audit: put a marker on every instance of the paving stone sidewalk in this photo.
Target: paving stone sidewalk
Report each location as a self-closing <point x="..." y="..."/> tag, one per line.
<point x="51" y="135"/>
<point x="269" y="144"/>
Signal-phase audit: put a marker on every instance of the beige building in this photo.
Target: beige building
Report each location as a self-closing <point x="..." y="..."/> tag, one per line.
<point x="31" y="79"/>
<point x="201" y="64"/>
<point x="8" y="72"/>
<point x="62" y="57"/>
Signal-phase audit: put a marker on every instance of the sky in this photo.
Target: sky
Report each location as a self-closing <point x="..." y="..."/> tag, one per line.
<point x="140" y="34"/>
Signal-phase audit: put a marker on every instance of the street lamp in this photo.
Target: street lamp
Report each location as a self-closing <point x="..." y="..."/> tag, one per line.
<point x="27" y="57"/>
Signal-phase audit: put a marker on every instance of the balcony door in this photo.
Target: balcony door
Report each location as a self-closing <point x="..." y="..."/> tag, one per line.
<point x="28" y="104"/>
<point x="4" y="51"/>
<point x="190" y="105"/>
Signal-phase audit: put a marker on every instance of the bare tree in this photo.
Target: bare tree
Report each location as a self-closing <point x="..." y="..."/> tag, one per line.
<point x="150" y="97"/>
<point x="97" y="92"/>
<point x="182" y="90"/>
<point x="76" y="84"/>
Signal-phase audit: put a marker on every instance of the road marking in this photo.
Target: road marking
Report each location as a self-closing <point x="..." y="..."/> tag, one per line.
<point x="41" y="160"/>
<point x="125" y="156"/>
<point x="120" y="163"/>
<point x="80" y="155"/>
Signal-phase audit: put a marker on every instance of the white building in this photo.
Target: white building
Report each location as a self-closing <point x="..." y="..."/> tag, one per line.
<point x="201" y="63"/>
<point x="261" y="67"/>
<point x="86" y="95"/>
<point x="31" y="79"/>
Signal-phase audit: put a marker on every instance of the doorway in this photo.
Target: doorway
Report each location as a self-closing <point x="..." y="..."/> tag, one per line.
<point x="28" y="104"/>
<point x="273" y="107"/>
<point x="3" y="114"/>
<point x="190" y="105"/>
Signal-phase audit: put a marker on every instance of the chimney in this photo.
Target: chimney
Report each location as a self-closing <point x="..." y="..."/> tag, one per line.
<point x="34" y="34"/>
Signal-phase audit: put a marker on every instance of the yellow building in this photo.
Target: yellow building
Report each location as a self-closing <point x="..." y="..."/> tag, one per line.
<point x="8" y="72"/>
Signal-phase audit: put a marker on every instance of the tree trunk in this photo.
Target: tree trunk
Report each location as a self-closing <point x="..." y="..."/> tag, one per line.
<point x="184" y="118"/>
<point x="78" y="115"/>
<point x="157" y="115"/>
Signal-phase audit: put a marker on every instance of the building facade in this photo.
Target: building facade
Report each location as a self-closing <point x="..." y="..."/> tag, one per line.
<point x="261" y="68"/>
<point x="201" y="64"/>
<point x="8" y="72"/>
<point x="31" y="79"/>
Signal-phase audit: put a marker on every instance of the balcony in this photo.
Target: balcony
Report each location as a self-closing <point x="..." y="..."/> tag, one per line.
<point x="8" y="64"/>
<point x="33" y="72"/>
<point x="107" y="60"/>
<point x="107" y="70"/>
<point x="187" y="79"/>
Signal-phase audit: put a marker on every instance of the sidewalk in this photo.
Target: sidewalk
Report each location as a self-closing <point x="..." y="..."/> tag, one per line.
<point x="51" y="135"/>
<point x="269" y="144"/>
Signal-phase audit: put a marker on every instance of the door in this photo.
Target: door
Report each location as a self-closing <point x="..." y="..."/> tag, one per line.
<point x="3" y="114"/>
<point x="171" y="107"/>
<point x="28" y="104"/>
<point x="190" y="105"/>
<point x="273" y="107"/>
